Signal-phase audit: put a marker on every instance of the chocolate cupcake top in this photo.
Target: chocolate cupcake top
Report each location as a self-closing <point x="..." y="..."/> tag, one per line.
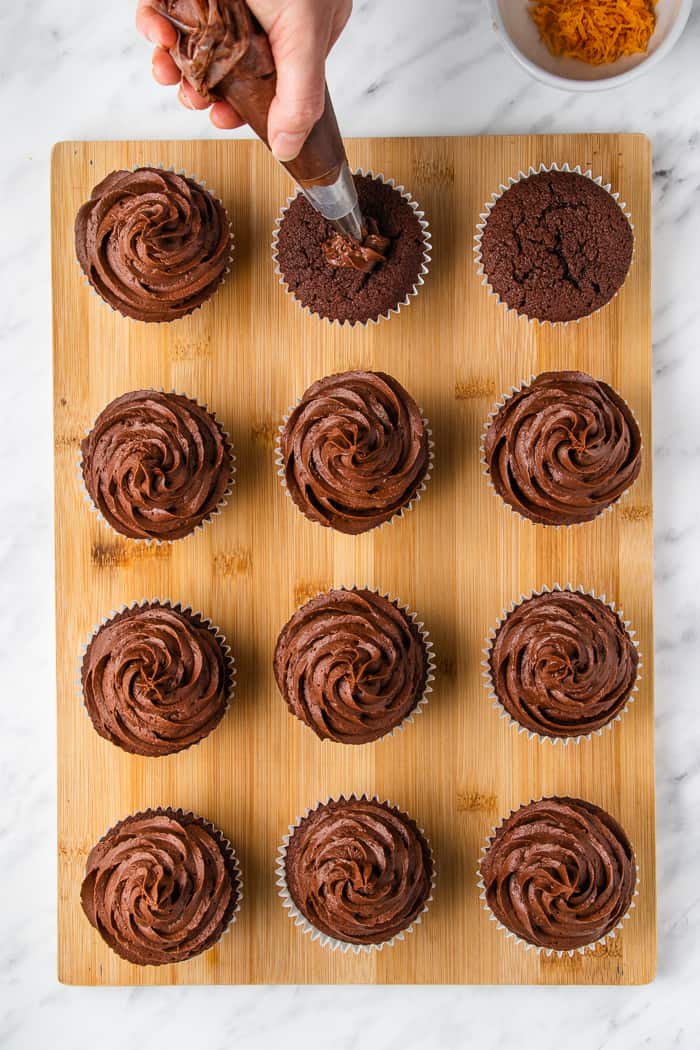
<point x="325" y="279"/>
<point x="153" y="244"/>
<point x="562" y="664"/>
<point x="559" y="873"/>
<point x="355" y="451"/>
<point x="156" y="679"/>
<point x="359" y="870"/>
<point x="156" y="465"/>
<point x="556" y="246"/>
<point x="351" y="665"/>
<point x="160" y="887"/>
<point x="563" y="448"/>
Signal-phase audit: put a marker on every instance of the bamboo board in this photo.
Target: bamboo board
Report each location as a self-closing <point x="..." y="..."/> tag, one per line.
<point x="457" y="559"/>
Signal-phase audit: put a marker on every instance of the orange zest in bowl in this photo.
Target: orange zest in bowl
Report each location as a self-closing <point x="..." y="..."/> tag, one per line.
<point x="594" y="31"/>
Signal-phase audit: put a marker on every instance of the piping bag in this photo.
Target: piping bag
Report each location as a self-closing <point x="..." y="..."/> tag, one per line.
<point x="224" y="53"/>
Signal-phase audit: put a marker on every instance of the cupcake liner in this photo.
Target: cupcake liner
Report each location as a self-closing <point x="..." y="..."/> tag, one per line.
<point x="205" y="621"/>
<point x="505" y="714"/>
<point x="424" y="699"/>
<point x="488" y="206"/>
<point x="420" y="279"/>
<point x="200" y="182"/>
<point x="503" y="400"/>
<point x="148" y="540"/>
<point x="300" y="919"/>
<point x="549" y="952"/>
<point x="226" y="848"/>
<point x="397" y="515"/>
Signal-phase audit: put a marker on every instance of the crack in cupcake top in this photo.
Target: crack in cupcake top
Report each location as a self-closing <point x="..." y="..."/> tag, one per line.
<point x="355" y="451"/>
<point x="154" y="245"/>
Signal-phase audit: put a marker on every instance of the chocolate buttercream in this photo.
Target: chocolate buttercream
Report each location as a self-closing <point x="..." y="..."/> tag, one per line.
<point x="355" y="451"/>
<point x="562" y="664"/>
<point x="156" y="465"/>
<point x="153" y="244"/>
<point x="155" y="679"/>
<point x="559" y="873"/>
<point x="562" y="449"/>
<point x="160" y="887"/>
<point x="359" y="870"/>
<point x="343" y="253"/>
<point x="351" y="665"/>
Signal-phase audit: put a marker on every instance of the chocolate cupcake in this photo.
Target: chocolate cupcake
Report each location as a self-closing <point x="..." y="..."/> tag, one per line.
<point x="353" y="665"/>
<point x="562" y="449"/>
<point x="356" y="873"/>
<point x="161" y="887"/>
<point x="156" y="678"/>
<point x="555" y="245"/>
<point x="559" y="874"/>
<point x="156" y="466"/>
<point x="354" y="452"/>
<point x="154" y="245"/>
<point x="562" y="664"/>
<point x="338" y="280"/>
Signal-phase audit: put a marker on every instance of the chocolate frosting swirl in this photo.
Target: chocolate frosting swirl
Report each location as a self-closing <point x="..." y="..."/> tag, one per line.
<point x="559" y="873"/>
<point x="156" y="465"/>
<point x="160" y="887"/>
<point x="155" y="679"/>
<point x="562" y="664"/>
<point x="359" y="870"/>
<point x="351" y="665"/>
<point x="343" y="253"/>
<point x="153" y="244"/>
<point x="355" y="451"/>
<point x="562" y="449"/>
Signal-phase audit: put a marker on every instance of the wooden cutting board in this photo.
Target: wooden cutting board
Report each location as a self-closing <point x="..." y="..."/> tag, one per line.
<point x="458" y="559"/>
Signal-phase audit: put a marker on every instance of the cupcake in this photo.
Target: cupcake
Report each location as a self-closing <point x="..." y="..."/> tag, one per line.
<point x="353" y="665"/>
<point x="559" y="874"/>
<point x="154" y="245"/>
<point x="555" y="245"/>
<point x="156" y="466"/>
<point x="156" y="679"/>
<point x="161" y="887"/>
<point x="562" y="449"/>
<point x="562" y="664"/>
<point x="356" y="872"/>
<point x="355" y="451"/>
<point x="337" y="279"/>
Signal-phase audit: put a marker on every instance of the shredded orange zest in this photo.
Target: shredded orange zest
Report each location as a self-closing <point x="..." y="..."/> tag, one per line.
<point x="594" y="31"/>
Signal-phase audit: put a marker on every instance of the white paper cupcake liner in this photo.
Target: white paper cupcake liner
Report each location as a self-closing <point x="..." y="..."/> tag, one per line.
<point x="200" y="182"/>
<point x="500" y="403"/>
<point x="226" y="848"/>
<point x="422" y="703"/>
<point x="493" y="695"/>
<point x="420" y="279"/>
<point x="397" y="515"/>
<point x="488" y="207"/>
<point x="300" y="920"/>
<point x="537" y="949"/>
<point x="186" y="610"/>
<point x="214" y="513"/>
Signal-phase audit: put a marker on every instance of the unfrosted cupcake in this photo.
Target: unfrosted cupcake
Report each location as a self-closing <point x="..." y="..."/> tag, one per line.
<point x="161" y="887"/>
<point x="562" y="449"/>
<point x="154" y="245"/>
<point x="156" y="679"/>
<point x="353" y="665"/>
<point x="156" y="466"/>
<point x="355" y="451"/>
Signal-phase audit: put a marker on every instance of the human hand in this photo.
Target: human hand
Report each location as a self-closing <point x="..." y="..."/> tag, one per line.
<point x="301" y="34"/>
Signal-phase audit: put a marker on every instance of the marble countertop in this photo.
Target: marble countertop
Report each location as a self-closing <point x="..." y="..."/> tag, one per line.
<point x="403" y="67"/>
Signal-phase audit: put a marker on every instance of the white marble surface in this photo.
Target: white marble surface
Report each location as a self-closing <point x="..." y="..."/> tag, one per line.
<point x="76" y="69"/>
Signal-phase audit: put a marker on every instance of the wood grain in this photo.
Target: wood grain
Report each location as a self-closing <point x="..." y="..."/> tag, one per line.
<point x="457" y="559"/>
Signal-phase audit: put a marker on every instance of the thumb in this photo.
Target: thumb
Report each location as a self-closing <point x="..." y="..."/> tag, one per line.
<point x="300" y="97"/>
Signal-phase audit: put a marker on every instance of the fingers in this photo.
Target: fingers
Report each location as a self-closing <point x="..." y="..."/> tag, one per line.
<point x="190" y="98"/>
<point x="224" y="116"/>
<point x="164" y="69"/>
<point x="300" y="97"/>
<point x="340" y="21"/>
<point x="153" y="26"/>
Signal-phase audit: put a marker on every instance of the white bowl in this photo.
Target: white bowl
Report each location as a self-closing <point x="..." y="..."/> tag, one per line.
<point x="519" y="35"/>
